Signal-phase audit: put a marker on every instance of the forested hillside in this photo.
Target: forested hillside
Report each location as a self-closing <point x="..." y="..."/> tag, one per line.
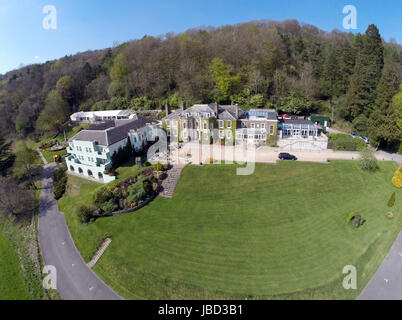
<point x="288" y="66"/>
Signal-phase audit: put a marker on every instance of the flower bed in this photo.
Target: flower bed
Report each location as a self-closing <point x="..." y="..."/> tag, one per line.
<point x="127" y="194"/>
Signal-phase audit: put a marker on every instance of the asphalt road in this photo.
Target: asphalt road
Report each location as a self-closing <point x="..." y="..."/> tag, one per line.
<point x="75" y="281"/>
<point x="391" y="156"/>
<point x="386" y="283"/>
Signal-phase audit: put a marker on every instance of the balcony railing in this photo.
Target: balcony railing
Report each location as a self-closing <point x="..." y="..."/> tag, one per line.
<point x="250" y="131"/>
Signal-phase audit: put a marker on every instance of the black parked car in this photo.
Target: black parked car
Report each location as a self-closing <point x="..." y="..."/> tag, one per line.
<point x="287" y="156"/>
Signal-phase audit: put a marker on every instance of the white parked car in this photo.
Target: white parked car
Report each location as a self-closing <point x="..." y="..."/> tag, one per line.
<point x="365" y="139"/>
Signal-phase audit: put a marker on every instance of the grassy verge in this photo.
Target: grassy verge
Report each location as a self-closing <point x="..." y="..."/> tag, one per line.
<point x="24" y="260"/>
<point x="277" y="234"/>
<point x="12" y="285"/>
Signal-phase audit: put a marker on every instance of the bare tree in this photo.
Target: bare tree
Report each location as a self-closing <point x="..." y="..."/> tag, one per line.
<point x="15" y="199"/>
<point x="25" y="164"/>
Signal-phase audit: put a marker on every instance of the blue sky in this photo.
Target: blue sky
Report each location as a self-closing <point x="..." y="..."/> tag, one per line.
<point x="96" y="24"/>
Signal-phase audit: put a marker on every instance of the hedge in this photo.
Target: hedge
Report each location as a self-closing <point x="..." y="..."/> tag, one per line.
<point x="60" y="182"/>
<point x="345" y="142"/>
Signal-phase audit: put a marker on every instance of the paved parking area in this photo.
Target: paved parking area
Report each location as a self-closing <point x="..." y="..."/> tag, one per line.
<point x="195" y="153"/>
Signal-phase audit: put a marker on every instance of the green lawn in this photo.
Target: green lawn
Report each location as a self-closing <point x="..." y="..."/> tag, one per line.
<point x="49" y="154"/>
<point x="20" y="269"/>
<point x="81" y="191"/>
<point x="279" y="233"/>
<point x="12" y="285"/>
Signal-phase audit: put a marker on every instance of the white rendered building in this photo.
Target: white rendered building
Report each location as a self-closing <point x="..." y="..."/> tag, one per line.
<point x="97" y="116"/>
<point x="90" y="151"/>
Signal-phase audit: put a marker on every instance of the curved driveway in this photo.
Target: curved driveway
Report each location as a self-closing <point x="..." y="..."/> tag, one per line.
<point x="386" y="283"/>
<point x="75" y="280"/>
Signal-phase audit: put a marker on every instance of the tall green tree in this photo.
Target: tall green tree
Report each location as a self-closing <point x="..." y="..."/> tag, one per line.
<point x="367" y="73"/>
<point x="373" y="58"/>
<point x="331" y="79"/>
<point x="65" y="87"/>
<point x="120" y="68"/>
<point x="295" y="103"/>
<point x="54" y="116"/>
<point x="382" y="124"/>
<point x="225" y="81"/>
<point x="347" y="63"/>
<point x="397" y="105"/>
<point x="357" y="98"/>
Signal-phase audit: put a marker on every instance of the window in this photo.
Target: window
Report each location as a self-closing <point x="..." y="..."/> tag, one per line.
<point x="229" y="124"/>
<point x="205" y="125"/>
<point x="271" y="130"/>
<point x="229" y="134"/>
<point x="258" y="126"/>
<point x="168" y="124"/>
<point x="184" y="125"/>
<point x="174" y="123"/>
<point x="220" y="123"/>
<point x="221" y="134"/>
<point x="262" y="125"/>
<point x="252" y="125"/>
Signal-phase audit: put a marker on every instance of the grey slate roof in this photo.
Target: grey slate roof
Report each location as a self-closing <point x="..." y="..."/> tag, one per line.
<point x="224" y="112"/>
<point x="269" y="114"/>
<point x="111" y="132"/>
<point x="297" y="121"/>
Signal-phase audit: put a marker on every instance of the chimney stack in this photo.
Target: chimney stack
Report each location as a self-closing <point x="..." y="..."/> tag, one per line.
<point x="237" y="111"/>
<point x="167" y="108"/>
<point x="216" y="108"/>
<point x="183" y="106"/>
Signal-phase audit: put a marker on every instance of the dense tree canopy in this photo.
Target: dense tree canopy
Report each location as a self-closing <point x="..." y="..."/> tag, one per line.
<point x="54" y="115"/>
<point x="6" y="157"/>
<point x="283" y="65"/>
